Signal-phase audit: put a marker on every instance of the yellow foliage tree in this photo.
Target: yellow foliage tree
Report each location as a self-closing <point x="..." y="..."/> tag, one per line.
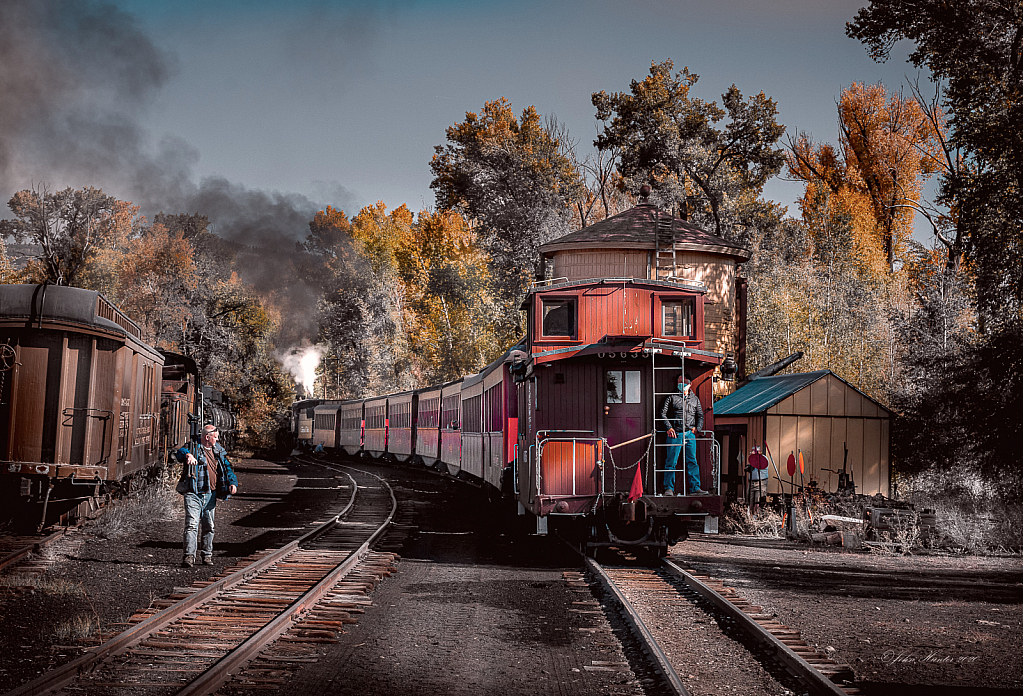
<point x="155" y="277"/>
<point x="888" y="146"/>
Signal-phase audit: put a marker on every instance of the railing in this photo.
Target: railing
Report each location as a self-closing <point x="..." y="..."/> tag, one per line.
<point x="108" y="311"/>
<point x="547" y="282"/>
<point x="544" y="440"/>
<point x="680" y="464"/>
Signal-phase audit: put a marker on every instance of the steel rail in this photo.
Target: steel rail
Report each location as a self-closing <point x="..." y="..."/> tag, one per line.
<point x="219" y="673"/>
<point x="815" y="680"/>
<point x="64" y="674"/>
<point x="15" y="556"/>
<point x="650" y="645"/>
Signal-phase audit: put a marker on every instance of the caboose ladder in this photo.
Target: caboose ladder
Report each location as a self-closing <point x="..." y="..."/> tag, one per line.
<point x="656" y="401"/>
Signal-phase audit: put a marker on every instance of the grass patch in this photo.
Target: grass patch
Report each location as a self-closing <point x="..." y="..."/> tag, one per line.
<point x="765" y="522"/>
<point x="58" y="587"/>
<point x="157" y="502"/>
<point x="78" y="628"/>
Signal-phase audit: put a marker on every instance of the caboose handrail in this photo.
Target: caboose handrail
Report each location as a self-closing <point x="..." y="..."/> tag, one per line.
<point x="598" y="442"/>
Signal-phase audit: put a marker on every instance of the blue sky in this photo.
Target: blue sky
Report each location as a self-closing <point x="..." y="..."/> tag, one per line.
<point x="344" y="101"/>
<point x="259" y="113"/>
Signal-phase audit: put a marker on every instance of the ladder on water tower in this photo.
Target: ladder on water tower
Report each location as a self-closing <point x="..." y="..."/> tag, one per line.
<point x="665" y="260"/>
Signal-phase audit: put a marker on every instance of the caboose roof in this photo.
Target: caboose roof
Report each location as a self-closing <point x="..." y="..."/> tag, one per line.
<point x="636" y="229"/>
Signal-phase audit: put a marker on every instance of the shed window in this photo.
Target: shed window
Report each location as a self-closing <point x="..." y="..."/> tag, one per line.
<point x="677" y="318"/>
<point x="559" y="317"/>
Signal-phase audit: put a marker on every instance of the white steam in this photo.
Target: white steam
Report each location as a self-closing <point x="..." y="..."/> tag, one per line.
<point x="301" y="362"/>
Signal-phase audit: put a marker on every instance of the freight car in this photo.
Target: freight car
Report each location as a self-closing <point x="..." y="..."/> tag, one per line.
<point x="82" y="401"/>
<point x="79" y="399"/>
<point x="566" y="424"/>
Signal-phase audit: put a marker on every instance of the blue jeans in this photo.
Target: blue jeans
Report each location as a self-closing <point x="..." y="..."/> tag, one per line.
<point x="688" y="440"/>
<point x="199" y="511"/>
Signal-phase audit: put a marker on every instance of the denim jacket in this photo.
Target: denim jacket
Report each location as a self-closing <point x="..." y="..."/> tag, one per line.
<point x="225" y="472"/>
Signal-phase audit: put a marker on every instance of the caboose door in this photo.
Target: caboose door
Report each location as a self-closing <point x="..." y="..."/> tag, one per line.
<point x="624" y="420"/>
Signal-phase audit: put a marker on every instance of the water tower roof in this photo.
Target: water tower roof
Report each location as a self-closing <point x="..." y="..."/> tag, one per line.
<point x="636" y="229"/>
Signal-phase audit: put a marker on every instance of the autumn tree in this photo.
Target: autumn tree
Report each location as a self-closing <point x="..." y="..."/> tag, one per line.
<point x="709" y="174"/>
<point x="362" y="300"/>
<point x="512" y="179"/>
<point x="8" y="274"/>
<point x="156" y="277"/>
<point x="67" y="225"/>
<point x="454" y="324"/>
<point x="975" y="47"/>
<point x="887" y="147"/>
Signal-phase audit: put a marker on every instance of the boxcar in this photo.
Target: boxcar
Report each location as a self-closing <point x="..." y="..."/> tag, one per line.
<point x="326" y="424"/>
<point x="451" y="427"/>
<point x="401" y="425"/>
<point x="352" y="426"/>
<point x="180" y="402"/>
<point x="374" y="441"/>
<point x="80" y="392"/>
<point x="428" y="425"/>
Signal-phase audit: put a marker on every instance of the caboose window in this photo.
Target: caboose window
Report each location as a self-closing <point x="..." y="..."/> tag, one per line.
<point x="677" y="318"/>
<point x="559" y="317"/>
<point x="623" y="386"/>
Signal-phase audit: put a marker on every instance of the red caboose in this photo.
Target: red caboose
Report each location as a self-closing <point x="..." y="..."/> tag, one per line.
<point x="625" y="312"/>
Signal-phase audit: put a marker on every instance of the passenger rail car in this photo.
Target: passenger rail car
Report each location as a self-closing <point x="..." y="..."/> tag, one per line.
<point x="326" y="424"/>
<point x="428" y="402"/>
<point x="352" y="426"/>
<point x="401" y="425"/>
<point x="451" y="427"/>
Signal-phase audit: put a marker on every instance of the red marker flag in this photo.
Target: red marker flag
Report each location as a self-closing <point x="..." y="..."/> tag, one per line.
<point x="791" y="464"/>
<point x="636" y="492"/>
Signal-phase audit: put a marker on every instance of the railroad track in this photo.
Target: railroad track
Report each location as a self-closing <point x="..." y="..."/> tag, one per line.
<point x="670" y="588"/>
<point x="15" y="549"/>
<point x="303" y="592"/>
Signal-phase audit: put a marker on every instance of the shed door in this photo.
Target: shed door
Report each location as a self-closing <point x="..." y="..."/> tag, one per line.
<point x="624" y="420"/>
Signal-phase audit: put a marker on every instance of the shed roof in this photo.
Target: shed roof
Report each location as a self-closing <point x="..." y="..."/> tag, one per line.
<point x="636" y="229"/>
<point x="764" y="392"/>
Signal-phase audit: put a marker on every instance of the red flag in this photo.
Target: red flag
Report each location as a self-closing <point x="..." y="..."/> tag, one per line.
<point x="792" y="464"/>
<point x="636" y="492"/>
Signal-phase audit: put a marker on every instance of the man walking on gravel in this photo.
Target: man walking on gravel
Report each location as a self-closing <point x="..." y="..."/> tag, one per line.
<point x="206" y="476"/>
<point x="683" y="414"/>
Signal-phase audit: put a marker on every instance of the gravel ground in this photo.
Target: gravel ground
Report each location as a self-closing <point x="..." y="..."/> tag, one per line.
<point x="906" y="625"/>
<point x="97" y="580"/>
<point x="474" y="608"/>
<point x="477" y="607"/>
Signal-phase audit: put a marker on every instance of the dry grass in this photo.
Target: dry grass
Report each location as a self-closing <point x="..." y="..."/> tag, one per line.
<point x="78" y="628"/>
<point x="154" y="503"/>
<point x="58" y="587"/>
<point x="765" y="523"/>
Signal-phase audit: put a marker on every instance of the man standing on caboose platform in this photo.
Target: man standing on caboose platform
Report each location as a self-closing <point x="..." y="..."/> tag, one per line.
<point x="683" y="414"/>
<point x="206" y="476"/>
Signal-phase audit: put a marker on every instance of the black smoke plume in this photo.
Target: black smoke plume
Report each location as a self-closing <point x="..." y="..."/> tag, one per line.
<point x="77" y="78"/>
